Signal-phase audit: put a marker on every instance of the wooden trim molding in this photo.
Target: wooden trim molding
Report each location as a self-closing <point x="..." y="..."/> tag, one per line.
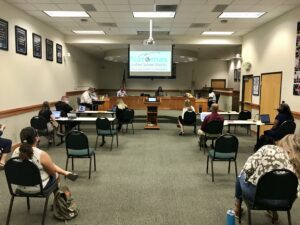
<point x="296" y="115"/>
<point x="21" y="110"/>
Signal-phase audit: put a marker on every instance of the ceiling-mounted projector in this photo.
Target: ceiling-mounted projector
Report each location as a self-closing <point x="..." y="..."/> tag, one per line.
<point x="150" y="40"/>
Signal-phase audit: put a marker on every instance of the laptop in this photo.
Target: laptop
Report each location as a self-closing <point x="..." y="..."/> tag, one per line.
<point x="56" y="114"/>
<point x="81" y="108"/>
<point x="152" y="99"/>
<point x="203" y="115"/>
<point x="265" y="118"/>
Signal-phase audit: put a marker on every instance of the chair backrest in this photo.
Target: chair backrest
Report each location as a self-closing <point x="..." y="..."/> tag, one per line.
<point x="127" y="116"/>
<point x="214" y="127"/>
<point x="23" y="173"/>
<point x="287" y="127"/>
<point x="78" y="99"/>
<point x="103" y="124"/>
<point x="189" y="117"/>
<point x="76" y="140"/>
<point x="276" y="185"/>
<point x="38" y="123"/>
<point x="227" y="143"/>
<point x="244" y="115"/>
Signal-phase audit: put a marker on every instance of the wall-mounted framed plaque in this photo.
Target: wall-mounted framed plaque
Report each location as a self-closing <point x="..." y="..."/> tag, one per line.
<point x="3" y="35"/>
<point x="49" y="50"/>
<point x="37" y="45"/>
<point x="58" y="53"/>
<point x="21" y="40"/>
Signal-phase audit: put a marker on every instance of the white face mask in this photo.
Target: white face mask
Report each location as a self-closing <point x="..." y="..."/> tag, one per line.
<point x="67" y="101"/>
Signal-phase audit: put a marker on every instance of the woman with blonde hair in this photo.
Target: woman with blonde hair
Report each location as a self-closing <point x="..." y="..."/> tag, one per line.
<point x="187" y="107"/>
<point x="120" y="108"/>
<point x="284" y="155"/>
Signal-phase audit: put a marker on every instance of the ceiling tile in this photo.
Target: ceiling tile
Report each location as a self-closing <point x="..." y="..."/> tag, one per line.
<point x="141" y="8"/>
<point x="16" y="1"/>
<point x="25" y="6"/>
<point x="99" y="14"/>
<point x="141" y="2"/>
<point x="103" y="20"/>
<point x="38" y="1"/>
<point x="245" y="2"/>
<point x="167" y="2"/>
<point x="115" y="2"/>
<point x="70" y="7"/>
<point x="118" y="8"/>
<point x="129" y="31"/>
<point x="90" y="2"/>
<point x="64" y="1"/>
<point x="99" y="7"/>
<point x="121" y="14"/>
<point x="178" y="31"/>
<point x="44" y="7"/>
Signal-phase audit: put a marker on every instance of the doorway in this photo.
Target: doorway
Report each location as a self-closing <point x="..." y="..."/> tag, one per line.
<point x="247" y="93"/>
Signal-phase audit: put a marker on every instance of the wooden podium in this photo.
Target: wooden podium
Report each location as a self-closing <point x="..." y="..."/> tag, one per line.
<point x="152" y="110"/>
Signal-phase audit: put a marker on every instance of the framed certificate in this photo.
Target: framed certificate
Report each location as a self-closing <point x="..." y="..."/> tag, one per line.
<point x="37" y="46"/>
<point x="256" y="85"/>
<point x="49" y="50"/>
<point x="58" y="53"/>
<point x="21" y="40"/>
<point x="3" y="35"/>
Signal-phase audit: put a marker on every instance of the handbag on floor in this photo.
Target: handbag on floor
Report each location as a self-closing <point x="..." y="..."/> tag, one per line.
<point x="64" y="207"/>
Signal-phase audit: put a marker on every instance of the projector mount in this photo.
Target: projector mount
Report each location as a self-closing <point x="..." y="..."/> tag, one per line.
<point x="150" y="40"/>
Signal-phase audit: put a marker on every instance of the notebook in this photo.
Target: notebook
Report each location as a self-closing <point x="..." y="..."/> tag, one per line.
<point x="56" y="114"/>
<point x="203" y="115"/>
<point x="265" y="118"/>
<point x="152" y="99"/>
<point x="81" y="108"/>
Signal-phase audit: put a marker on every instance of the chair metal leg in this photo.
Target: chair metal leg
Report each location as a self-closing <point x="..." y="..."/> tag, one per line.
<point x="132" y="128"/>
<point x="207" y="162"/>
<point x="45" y="210"/>
<point x="229" y="167"/>
<point x="212" y="171"/>
<point x="249" y="217"/>
<point x="90" y="167"/>
<point x="112" y="140"/>
<point x="72" y="164"/>
<point x="67" y="162"/>
<point x="28" y="203"/>
<point x="96" y="142"/>
<point x="289" y="217"/>
<point x="9" y="210"/>
<point x="117" y="140"/>
<point x="94" y="162"/>
<point x="127" y="128"/>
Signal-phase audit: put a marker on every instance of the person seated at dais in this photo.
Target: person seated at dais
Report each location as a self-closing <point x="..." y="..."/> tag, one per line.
<point x="48" y="169"/>
<point x="88" y="97"/>
<point x="121" y="92"/>
<point x="211" y="98"/>
<point x="159" y="92"/>
<point x="284" y="155"/>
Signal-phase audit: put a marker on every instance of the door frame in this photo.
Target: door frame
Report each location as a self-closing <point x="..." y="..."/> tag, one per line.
<point x="243" y="88"/>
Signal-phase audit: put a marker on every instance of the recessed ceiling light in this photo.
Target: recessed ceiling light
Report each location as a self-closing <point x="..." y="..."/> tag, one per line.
<point x="153" y="14"/>
<point x="217" y="33"/>
<point x="88" y="32"/>
<point x="67" y="13"/>
<point x="247" y="15"/>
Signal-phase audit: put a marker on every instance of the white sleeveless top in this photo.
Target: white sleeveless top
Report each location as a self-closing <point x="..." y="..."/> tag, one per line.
<point x="36" y="159"/>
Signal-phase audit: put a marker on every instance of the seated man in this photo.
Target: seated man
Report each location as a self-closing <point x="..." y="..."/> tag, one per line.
<point x="214" y="116"/>
<point x="88" y="97"/>
<point x="64" y="108"/>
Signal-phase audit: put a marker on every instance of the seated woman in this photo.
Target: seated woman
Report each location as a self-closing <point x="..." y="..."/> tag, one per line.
<point x="28" y="151"/>
<point x="284" y="114"/>
<point x="121" y="107"/>
<point x="284" y="155"/>
<point x="187" y="107"/>
<point x="159" y="92"/>
<point x="5" y="147"/>
<point x="46" y="113"/>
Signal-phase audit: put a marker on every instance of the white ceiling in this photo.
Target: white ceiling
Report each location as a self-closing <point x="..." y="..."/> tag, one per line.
<point x="187" y="13"/>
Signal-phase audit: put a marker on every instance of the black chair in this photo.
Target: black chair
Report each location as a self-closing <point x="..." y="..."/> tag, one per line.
<point x="105" y="128"/>
<point x="77" y="146"/>
<point x="127" y="117"/>
<point x="40" y="124"/>
<point x="245" y="115"/>
<point x="26" y="173"/>
<point x="212" y="131"/>
<point x="226" y="148"/>
<point x="287" y="127"/>
<point x="275" y="191"/>
<point x="190" y="119"/>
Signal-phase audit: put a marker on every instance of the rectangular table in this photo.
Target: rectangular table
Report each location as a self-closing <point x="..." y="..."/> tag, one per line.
<point x="256" y="123"/>
<point x="229" y="114"/>
<point x="78" y="113"/>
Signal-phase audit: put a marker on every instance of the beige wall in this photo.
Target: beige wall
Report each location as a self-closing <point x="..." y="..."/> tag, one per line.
<point x="26" y="80"/>
<point x="271" y="48"/>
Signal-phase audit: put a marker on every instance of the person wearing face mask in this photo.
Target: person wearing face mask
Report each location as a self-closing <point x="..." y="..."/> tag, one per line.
<point x="63" y="106"/>
<point x="88" y="97"/>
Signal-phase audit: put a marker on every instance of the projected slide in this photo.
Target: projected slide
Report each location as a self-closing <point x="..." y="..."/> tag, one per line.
<point x="150" y="62"/>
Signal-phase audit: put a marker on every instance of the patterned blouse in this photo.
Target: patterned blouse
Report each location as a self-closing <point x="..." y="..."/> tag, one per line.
<point x="267" y="158"/>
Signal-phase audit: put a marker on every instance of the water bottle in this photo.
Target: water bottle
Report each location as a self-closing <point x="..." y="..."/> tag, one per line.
<point x="230" y="218"/>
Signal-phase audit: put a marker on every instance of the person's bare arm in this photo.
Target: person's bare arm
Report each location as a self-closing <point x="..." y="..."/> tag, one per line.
<point x="48" y="164"/>
<point x="275" y="125"/>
